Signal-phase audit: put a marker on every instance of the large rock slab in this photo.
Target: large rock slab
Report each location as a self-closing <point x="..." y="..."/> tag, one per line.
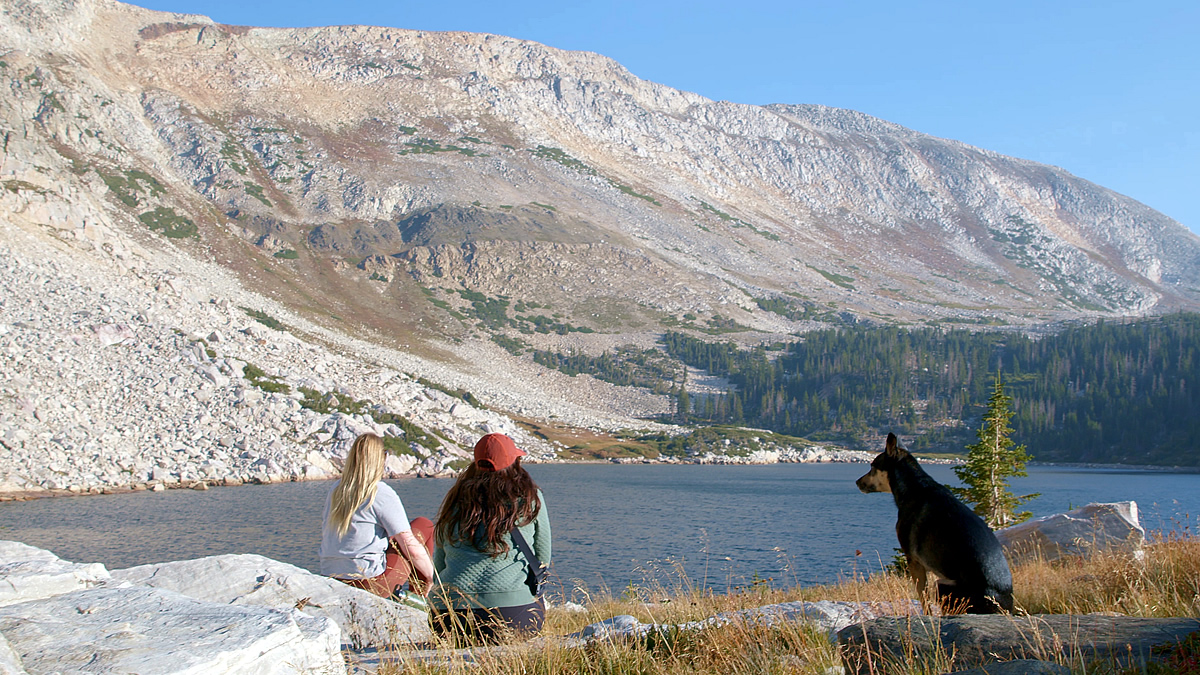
<point x="978" y="640"/>
<point x="152" y="631"/>
<point x="29" y="573"/>
<point x="365" y="619"/>
<point x="829" y="615"/>
<point x="1086" y="530"/>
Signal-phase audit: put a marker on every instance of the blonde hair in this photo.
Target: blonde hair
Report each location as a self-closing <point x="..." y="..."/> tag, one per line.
<point x="360" y="480"/>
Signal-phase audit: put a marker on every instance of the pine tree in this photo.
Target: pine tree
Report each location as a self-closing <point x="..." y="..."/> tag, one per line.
<point x="990" y="463"/>
<point x="683" y="402"/>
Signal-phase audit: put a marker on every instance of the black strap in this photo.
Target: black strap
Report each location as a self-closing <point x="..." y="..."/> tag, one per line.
<point x="537" y="571"/>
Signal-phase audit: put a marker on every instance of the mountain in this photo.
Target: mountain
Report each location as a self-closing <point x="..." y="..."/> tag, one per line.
<point x="436" y="193"/>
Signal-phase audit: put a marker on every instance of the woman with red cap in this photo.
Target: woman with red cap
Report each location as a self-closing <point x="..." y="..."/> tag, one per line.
<point x="492" y="522"/>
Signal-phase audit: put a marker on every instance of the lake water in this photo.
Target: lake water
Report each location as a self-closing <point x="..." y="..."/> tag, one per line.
<point x="723" y="526"/>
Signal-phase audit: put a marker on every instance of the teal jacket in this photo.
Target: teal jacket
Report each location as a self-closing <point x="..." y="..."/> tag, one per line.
<point x="470" y="578"/>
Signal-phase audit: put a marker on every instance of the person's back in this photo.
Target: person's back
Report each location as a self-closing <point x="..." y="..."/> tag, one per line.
<point x="494" y="581"/>
<point x="485" y="579"/>
<point x="367" y="540"/>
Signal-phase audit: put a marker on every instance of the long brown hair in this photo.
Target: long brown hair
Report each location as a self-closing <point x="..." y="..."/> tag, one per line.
<point x="483" y="506"/>
<point x="360" y="480"/>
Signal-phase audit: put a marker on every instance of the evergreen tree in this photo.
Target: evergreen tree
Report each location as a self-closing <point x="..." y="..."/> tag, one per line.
<point x="990" y="463"/>
<point x="683" y="402"/>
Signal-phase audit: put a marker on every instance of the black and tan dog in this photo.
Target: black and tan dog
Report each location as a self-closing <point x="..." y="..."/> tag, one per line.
<point x="940" y="535"/>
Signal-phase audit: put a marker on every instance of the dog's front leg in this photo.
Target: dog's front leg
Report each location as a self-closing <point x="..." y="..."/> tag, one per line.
<point x="920" y="577"/>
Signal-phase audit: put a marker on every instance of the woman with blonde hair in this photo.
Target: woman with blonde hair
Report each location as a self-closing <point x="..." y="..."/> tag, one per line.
<point x="493" y="544"/>
<point x="367" y="540"/>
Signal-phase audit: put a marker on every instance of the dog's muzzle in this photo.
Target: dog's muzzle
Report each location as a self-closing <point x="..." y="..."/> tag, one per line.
<point x="874" y="481"/>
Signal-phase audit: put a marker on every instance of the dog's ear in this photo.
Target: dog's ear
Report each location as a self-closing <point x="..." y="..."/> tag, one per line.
<point x="892" y="448"/>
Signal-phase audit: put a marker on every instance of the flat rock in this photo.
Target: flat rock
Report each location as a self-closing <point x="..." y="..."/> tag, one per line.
<point x="366" y="620"/>
<point x="978" y="641"/>
<point x="829" y="615"/>
<point x="1092" y="528"/>
<point x="30" y="573"/>
<point x="152" y="631"/>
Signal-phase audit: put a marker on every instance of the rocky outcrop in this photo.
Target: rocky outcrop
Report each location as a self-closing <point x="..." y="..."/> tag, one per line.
<point x="1091" y="529"/>
<point x="147" y="630"/>
<point x="229" y="613"/>
<point x="365" y="620"/>
<point x="60" y="616"/>
<point x="31" y="573"/>
<point x="976" y="640"/>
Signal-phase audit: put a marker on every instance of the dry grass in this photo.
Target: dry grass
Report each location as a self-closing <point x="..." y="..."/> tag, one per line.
<point x="1164" y="582"/>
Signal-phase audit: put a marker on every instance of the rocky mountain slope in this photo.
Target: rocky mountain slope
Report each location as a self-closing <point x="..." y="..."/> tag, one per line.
<point x="396" y="198"/>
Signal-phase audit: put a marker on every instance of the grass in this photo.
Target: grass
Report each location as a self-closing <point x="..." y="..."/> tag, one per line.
<point x="835" y="278"/>
<point x="268" y="383"/>
<point x="1163" y="584"/>
<point x="165" y="221"/>
<point x="264" y="318"/>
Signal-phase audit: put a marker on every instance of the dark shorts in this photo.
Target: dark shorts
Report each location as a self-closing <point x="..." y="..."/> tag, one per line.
<point x="490" y="625"/>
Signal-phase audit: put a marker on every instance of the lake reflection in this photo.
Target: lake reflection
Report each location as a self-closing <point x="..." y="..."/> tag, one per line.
<point x="612" y="524"/>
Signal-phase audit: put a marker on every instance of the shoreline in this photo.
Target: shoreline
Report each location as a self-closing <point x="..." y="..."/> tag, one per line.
<point x="201" y="485"/>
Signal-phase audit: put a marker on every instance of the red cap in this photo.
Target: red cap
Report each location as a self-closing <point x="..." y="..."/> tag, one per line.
<point x="498" y="451"/>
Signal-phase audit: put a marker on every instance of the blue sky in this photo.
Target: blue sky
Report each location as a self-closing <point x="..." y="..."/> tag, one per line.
<point x="1109" y="91"/>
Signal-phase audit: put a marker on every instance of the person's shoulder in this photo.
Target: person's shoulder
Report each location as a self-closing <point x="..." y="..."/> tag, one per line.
<point x="387" y="491"/>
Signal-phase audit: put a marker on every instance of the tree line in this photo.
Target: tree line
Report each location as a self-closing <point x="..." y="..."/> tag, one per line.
<point x="1107" y="392"/>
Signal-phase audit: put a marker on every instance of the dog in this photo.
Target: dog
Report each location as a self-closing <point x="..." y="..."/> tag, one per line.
<point x="941" y="535"/>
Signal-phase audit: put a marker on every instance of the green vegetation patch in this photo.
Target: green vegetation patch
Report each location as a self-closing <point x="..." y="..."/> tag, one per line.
<point x="461" y="394"/>
<point x="626" y="366"/>
<point x="491" y="312"/>
<point x="561" y="157"/>
<point x="719" y="324"/>
<point x="428" y="146"/>
<point x="632" y="193"/>
<point x="264" y="318"/>
<point x="720" y="440"/>
<point x="269" y="383"/>
<point x="235" y="154"/>
<point x="168" y="223"/>
<point x="287" y="254"/>
<point x="735" y="222"/>
<point x="797" y="310"/>
<point x="514" y="346"/>
<point x="128" y="187"/>
<point x="256" y="191"/>
<point x="15" y="186"/>
<point x="834" y="278"/>
<point x="50" y="101"/>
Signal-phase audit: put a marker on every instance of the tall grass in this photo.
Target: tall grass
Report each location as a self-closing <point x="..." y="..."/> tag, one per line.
<point x="1163" y="582"/>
